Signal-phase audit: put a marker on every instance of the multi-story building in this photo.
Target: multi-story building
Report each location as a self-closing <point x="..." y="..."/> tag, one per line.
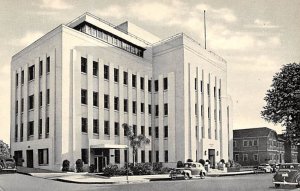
<point x="258" y="145"/>
<point x="73" y="88"/>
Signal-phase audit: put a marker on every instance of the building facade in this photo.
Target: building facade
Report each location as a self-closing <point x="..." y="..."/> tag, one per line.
<point x="73" y="88"/>
<point x="261" y="145"/>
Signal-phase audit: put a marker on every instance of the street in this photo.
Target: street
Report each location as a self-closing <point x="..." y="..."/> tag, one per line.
<point x="15" y="182"/>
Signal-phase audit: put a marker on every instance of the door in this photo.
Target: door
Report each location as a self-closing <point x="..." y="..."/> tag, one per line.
<point x="101" y="163"/>
<point x="29" y="154"/>
<point x="211" y="155"/>
<point x="18" y="158"/>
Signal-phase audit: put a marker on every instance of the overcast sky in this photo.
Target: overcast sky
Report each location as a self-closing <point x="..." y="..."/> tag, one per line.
<point x="256" y="37"/>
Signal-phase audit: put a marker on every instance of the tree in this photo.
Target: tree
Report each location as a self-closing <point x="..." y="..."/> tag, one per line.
<point x="4" y="150"/>
<point x="135" y="141"/>
<point x="283" y="101"/>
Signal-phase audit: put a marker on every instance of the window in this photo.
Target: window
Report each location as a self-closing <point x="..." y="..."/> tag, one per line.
<point x="156" y="132"/>
<point x="40" y="128"/>
<point x="165" y="109"/>
<point x="83" y="96"/>
<point x="214" y="91"/>
<point x="106" y="127"/>
<point x="134" y="107"/>
<point x="106" y="101"/>
<point x="255" y="157"/>
<point x="31" y="102"/>
<point x="84" y="125"/>
<point x="196" y="84"/>
<point x="22" y="77"/>
<point x="157" y="156"/>
<point x="48" y="96"/>
<point x="133" y="80"/>
<point x="43" y="157"/>
<point x="165" y="131"/>
<point x="83" y="65"/>
<point x="143" y="130"/>
<point x="95" y="126"/>
<point x="31" y="73"/>
<point x="95" y="99"/>
<point x="16" y="133"/>
<point x="125" y="156"/>
<point x="117" y="156"/>
<point x="41" y="99"/>
<point x="156" y="85"/>
<point x="245" y="157"/>
<point x="142" y="107"/>
<point x="142" y="156"/>
<point x="116" y="75"/>
<point x="255" y="142"/>
<point x="219" y="93"/>
<point x="202" y="110"/>
<point x="17" y="107"/>
<point x="150" y="131"/>
<point x="142" y="83"/>
<point x="156" y="110"/>
<point x="95" y="68"/>
<point x="125" y="105"/>
<point x="48" y="64"/>
<point x="47" y="127"/>
<point x="106" y="72"/>
<point x="117" y="132"/>
<point x="22" y="105"/>
<point x="30" y="130"/>
<point x="208" y="90"/>
<point x="125" y="78"/>
<point x="166" y="156"/>
<point x="250" y="143"/>
<point x="245" y="143"/>
<point x="116" y="103"/>
<point x="165" y="83"/>
<point x="21" y="132"/>
<point x="150" y="156"/>
<point x="17" y="79"/>
<point x="201" y="86"/>
<point x="85" y="156"/>
<point x="149" y="85"/>
<point x="149" y="109"/>
<point x="134" y="130"/>
<point x="234" y="144"/>
<point x="236" y="157"/>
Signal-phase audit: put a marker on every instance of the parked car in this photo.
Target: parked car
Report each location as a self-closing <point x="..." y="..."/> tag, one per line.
<point x="188" y="171"/>
<point x="265" y="168"/>
<point x="275" y="167"/>
<point x="8" y="165"/>
<point x="288" y="173"/>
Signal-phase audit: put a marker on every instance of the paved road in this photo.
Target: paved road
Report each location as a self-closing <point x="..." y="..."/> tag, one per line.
<point x="16" y="182"/>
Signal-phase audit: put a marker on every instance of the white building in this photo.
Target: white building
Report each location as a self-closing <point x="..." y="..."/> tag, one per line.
<point x="73" y="88"/>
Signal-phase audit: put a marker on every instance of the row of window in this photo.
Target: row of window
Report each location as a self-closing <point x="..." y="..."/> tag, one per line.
<point x="85" y="159"/>
<point x="84" y="100"/>
<point x="208" y="88"/>
<point x="245" y="157"/>
<point x="116" y="79"/>
<point x="31" y="101"/>
<point x="31" y="71"/>
<point x="30" y="129"/>
<point x="84" y="128"/>
<point x="247" y="143"/>
<point x="110" y="38"/>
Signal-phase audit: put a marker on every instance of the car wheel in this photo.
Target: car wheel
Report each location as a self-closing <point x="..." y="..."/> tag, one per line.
<point x="277" y="185"/>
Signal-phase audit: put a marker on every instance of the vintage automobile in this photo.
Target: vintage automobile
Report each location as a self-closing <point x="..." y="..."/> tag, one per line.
<point x="188" y="171"/>
<point x="288" y="174"/>
<point x="264" y="167"/>
<point x="8" y="165"/>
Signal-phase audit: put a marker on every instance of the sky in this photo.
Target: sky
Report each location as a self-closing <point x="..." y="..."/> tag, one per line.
<point x="255" y="37"/>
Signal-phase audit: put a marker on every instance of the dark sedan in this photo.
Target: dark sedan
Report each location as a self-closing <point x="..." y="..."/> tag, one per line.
<point x="288" y="174"/>
<point x="8" y="165"/>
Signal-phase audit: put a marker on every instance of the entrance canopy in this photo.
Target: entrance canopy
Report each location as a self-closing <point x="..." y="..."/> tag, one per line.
<point x="108" y="146"/>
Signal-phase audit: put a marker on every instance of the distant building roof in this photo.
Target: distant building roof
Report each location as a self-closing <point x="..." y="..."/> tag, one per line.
<point x="252" y="132"/>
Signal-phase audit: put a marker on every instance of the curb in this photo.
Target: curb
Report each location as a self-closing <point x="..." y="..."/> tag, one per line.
<point x="120" y="182"/>
<point x="231" y="174"/>
<point x="24" y="173"/>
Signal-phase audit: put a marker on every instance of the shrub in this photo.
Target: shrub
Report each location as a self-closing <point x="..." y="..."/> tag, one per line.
<point x="222" y="161"/>
<point x="92" y="168"/>
<point x="202" y="161"/>
<point x="123" y="171"/>
<point x="189" y="160"/>
<point x="165" y="170"/>
<point x="142" y="169"/>
<point x="79" y="165"/>
<point x="179" y="164"/>
<point x="157" y="166"/>
<point x="66" y="166"/>
<point x="110" y="170"/>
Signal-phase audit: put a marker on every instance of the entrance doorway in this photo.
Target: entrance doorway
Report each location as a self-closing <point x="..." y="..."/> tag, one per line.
<point x="211" y="157"/>
<point x="29" y="156"/>
<point x="18" y="156"/>
<point x="101" y="158"/>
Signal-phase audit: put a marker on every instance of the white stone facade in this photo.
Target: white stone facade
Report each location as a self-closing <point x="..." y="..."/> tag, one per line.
<point x="191" y="123"/>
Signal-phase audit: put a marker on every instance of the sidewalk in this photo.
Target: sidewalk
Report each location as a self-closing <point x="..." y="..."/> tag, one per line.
<point x="95" y="178"/>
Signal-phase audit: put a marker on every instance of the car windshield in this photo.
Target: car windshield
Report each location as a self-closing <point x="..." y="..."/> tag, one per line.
<point x="289" y="166"/>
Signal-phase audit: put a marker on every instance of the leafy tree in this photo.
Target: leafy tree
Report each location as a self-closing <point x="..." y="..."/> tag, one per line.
<point x="283" y="101"/>
<point x="135" y="141"/>
<point x="4" y="150"/>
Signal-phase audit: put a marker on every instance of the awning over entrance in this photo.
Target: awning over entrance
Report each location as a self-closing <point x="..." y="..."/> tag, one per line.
<point x="108" y="146"/>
